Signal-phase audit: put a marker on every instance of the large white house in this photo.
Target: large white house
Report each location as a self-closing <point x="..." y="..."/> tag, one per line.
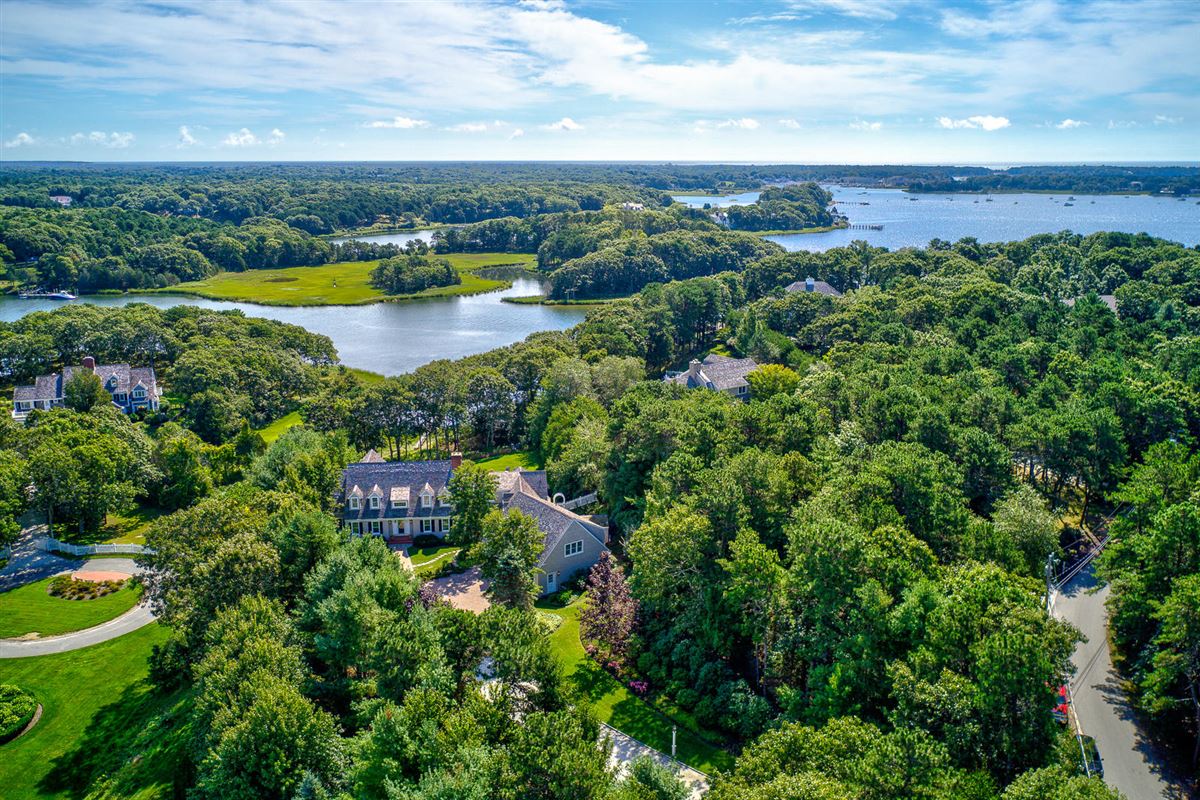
<point x="131" y="388"/>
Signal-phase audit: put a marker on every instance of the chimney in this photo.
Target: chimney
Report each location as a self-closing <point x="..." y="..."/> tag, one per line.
<point x="455" y="460"/>
<point x="89" y="363"/>
<point x="809" y="284"/>
<point x="694" y="367"/>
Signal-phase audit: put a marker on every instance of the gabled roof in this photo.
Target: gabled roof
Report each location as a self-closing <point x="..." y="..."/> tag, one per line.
<point x="372" y="457"/>
<point x="528" y="480"/>
<point x="397" y="479"/>
<point x="399" y="494"/>
<point x="811" y="285"/>
<point x="553" y="521"/>
<point x="716" y="372"/>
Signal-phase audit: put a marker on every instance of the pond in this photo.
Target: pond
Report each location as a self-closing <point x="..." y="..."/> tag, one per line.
<point x="388" y="338"/>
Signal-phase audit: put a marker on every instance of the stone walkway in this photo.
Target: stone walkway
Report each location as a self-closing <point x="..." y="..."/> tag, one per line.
<point x="626" y="750"/>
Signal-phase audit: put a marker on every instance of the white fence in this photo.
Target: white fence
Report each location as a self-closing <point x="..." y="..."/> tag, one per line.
<point x="54" y="545"/>
<point x="583" y="500"/>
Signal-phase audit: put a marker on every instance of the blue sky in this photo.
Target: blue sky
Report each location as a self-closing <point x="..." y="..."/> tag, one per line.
<point x="857" y="81"/>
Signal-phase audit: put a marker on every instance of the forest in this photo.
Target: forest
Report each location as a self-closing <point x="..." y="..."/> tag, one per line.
<point x="838" y="583"/>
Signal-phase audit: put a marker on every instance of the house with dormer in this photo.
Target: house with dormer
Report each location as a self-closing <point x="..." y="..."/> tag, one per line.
<point x="399" y="500"/>
<point x="719" y="373"/>
<point x="131" y="388"/>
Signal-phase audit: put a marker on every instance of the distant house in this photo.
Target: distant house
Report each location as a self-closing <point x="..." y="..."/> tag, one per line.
<point x="132" y="388"/>
<point x="718" y="373"/>
<point x="633" y="207"/>
<point x="1109" y="300"/>
<point x="62" y="199"/>
<point x="811" y="285"/>
<point x="399" y="500"/>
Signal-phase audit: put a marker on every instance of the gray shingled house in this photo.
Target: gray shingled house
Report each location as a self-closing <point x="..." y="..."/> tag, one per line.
<point x="399" y="500"/>
<point x="718" y="373"/>
<point x="131" y="388"/>
<point x="811" y="285"/>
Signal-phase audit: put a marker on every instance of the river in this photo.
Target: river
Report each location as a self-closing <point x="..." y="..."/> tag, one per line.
<point x="912" y="220"/>
<point x="388" y="338"/>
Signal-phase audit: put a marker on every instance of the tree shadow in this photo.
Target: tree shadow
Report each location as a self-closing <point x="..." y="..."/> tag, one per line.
<point x="137" y="741"/>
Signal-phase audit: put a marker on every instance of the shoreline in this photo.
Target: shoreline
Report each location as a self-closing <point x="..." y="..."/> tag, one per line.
<point x="500" y="285"/>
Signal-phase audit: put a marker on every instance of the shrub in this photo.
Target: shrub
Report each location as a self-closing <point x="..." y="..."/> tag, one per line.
<point x="16" y="709"/>
<point x="69" y="588"/>
<point x="427" y="540"/>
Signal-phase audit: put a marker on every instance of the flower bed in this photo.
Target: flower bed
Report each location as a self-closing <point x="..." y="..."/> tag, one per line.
<point x="69" y="588"/>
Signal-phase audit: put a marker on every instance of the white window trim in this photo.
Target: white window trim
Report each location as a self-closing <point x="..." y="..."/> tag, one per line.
<point x="355" y="503"/>
<point x="427" y="525"/>
<point x="572" y="548"/>
<point x="375" y="527"/>
<point x="400" y="504"/>
<point x="373" y="502"/>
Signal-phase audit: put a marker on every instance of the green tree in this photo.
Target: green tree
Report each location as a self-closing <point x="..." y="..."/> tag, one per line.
<point x="509" y="551"/>
<point x="1024" y="518"/>
<point x="14" y="478"/>
<point x="473" y="493"/>
<point x="186" y="476"/>
<point x="1174" y="680"/>
<point x="85" y="391"/>
<point x="770" y="380"/>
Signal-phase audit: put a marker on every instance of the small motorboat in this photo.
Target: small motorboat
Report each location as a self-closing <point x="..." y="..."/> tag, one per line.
<point x="39" y="295"/>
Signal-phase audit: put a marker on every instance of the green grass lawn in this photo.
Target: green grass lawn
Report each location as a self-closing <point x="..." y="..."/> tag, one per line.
<point x="424" y="555"/>
<point x="130" y="527"/>
<point x="100" y="720"/>
<point x="614" y="703"/>
<point x="523" y="459"/>
<point x="31" y="608"/>
<point x="280" y="426"/>
<point x="366" y="376"/>
<point x="343" y="283"/>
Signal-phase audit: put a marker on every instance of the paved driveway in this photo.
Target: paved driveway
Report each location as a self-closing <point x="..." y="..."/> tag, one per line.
<point x="27" y="563"/>
<point x="1131" y="761"/>
<point x="131" y="620"/>
<point x="463" y="591"/>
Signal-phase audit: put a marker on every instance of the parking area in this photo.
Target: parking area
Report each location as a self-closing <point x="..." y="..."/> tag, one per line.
<point x="463" y="591"/>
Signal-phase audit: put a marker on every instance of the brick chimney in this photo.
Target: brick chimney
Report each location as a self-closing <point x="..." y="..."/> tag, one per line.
<point x="455" y="460"/>
<point x="89" y="363"/>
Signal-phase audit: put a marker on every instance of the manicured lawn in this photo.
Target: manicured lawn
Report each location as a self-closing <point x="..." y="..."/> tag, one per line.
<point x="99" y="719"/>
<point x="366" y="376"/>
<point x="31" y="608"/>
<point x="131" y="527"/>
<point x="423" y="555"/>
<point x="523" y="459"/>
<point x="614" y="703"/>
<point x="280" y="426"/>
<point x="344" y="283"/>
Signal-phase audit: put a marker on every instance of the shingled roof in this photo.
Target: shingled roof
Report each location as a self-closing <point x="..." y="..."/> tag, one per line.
<point x="553" y="521"/>
<point x="812" y="285"/>
<point x="715" y="372"/>
<point x="399" y="479"/>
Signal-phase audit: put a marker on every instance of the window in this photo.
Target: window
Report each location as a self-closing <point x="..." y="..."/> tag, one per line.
<point x="355" y="503"/>
<point x="374" y="501"/>
<point x="573" y="548"/>
<point x="376" y="527"/>
<point x="399" y="503"/>
<point x="139" y="392"/>
<point x="443" y="525"/>
<point x="426" y="526"/>
<point x="356" y="528"/>
<point x="426" y="500"/>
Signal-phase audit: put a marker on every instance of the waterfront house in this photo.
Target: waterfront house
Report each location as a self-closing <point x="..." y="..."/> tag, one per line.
<point x="811" y="285"/>
<point x="718" y="373"/>
<point x="400" y="500"/>
<point x="131" y="388"/>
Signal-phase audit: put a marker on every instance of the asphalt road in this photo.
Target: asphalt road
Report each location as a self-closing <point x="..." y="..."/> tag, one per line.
<point x="1131" y="762"/>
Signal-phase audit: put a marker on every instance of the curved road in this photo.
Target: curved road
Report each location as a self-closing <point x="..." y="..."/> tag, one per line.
<point x="131" y="620"/>
<point x="1131" y="761"/>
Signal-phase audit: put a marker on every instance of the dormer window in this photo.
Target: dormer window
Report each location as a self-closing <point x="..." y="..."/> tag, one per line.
<point x="355" y="503"/>
<point x="426" y="500"/>
<point x="139" y="392"/>
<point x="373" y="501"/>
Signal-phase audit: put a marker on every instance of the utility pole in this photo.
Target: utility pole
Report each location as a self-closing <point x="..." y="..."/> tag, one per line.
<point x="674" y="728"/>
<point x="1049" y="579"/>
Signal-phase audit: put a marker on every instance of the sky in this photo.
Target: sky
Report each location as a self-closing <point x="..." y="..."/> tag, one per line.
<point x="786" y="81"/>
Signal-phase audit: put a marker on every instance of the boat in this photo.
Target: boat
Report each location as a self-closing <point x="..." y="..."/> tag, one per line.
<point x="61" y="295"/>
<point x="1066" y="205"/>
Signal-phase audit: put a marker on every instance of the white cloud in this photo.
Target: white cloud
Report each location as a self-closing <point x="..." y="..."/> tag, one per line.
<point x="277" y="136"/>
<point x="114" y="140"/>
<point x="1162" y="119"/>
<point x="516" y="134"/>
<point x="863" y="125"/>
<point x="745" y="123"/>
<point x="468" y="127"/>
<point x="873" y="9"/>
<point x="402" y="123"/>
<point x="1121" y="124"/>
<point x="791" y="124"/>
<point x="1068" y="124"/>
<point x="185" y="137"/>
<point x="564" y="124"/>
<point x="22" y="139"/>
<point x="985" y="121"/>
<point x="242" y="138"/>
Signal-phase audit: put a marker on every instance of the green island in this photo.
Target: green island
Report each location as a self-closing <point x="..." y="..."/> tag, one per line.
<point x="344" y="283"/>
<point x="32" y="609"/>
